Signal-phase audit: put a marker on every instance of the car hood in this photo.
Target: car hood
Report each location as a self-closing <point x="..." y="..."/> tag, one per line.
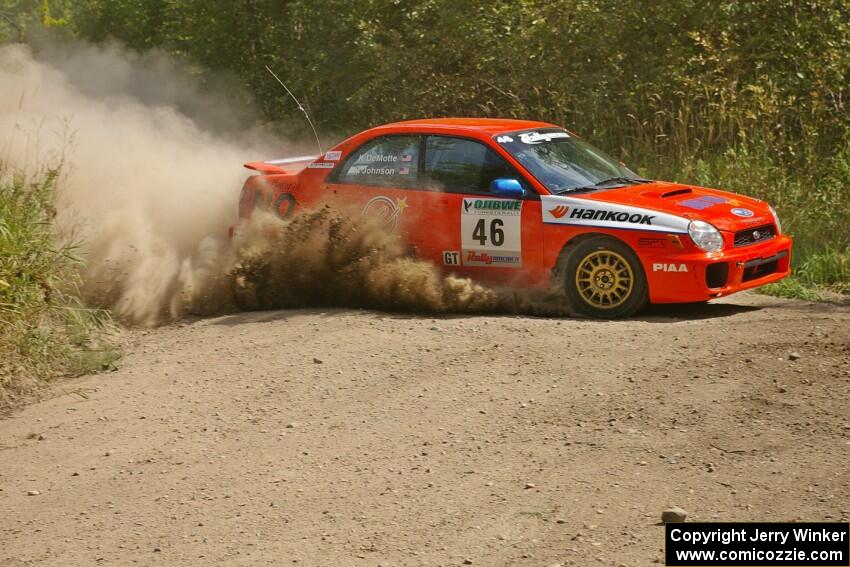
<point x="727" y="211"/>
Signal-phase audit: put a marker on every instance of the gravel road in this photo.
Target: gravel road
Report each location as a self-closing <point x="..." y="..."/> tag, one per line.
<point x="344" y="437"/>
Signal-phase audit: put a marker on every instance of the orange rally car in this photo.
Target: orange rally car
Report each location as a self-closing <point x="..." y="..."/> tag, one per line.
<point x="524" y="203"/>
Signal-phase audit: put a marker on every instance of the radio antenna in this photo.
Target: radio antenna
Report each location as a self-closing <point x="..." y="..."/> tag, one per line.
<point x="300" y="107"/>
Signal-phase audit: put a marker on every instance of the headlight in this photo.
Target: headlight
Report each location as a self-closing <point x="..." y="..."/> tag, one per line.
<point x="705" y="236"/>
<point x="776" y="220"/>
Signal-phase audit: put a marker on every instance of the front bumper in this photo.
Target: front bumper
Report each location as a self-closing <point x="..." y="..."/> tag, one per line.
<point x="712" y="275"/>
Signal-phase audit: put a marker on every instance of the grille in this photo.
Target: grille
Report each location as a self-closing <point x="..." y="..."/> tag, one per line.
<point x="753" y="235"/>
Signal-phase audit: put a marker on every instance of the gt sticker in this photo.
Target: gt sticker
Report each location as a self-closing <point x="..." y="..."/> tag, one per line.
<point x="451" y="258"/>
<point x="333" y="155"/>
<point x="659" y="267"/>
<point x="491" y="232"/>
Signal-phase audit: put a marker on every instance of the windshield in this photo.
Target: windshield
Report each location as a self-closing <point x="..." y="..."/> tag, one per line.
<point x="564" y="163"/>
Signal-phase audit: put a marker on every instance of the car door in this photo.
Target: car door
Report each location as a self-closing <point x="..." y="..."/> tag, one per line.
<point x="380" y="179"/>
<point x="486" y="236"/>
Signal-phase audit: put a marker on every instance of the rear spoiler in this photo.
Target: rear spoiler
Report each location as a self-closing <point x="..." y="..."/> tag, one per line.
<point x="275" y="166"/>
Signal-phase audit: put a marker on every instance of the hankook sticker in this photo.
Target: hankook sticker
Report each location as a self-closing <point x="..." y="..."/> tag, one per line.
<point x="591" y="212"/>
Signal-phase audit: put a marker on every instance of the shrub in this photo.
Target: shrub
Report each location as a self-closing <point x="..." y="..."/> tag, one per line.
<point x="44" y="329"/>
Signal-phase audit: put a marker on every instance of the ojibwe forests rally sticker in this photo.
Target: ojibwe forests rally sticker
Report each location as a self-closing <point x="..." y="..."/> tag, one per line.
<point x="491" y="231"/>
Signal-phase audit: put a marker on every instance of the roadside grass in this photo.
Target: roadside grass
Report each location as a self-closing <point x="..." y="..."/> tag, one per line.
<point x="45" y="330"/>
<point x="791" y="288"/>
<point x="829" y="268"/>
<point x="823" y="275"/>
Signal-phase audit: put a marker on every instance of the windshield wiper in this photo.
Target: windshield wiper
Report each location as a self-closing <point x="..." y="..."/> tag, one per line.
<point x="576" y="189"/>
<point x="601" y="184"/>
<point x="624" y="180"/>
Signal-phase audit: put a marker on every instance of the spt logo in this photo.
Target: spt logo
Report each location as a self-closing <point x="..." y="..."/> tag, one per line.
<point x="559" y="211"/>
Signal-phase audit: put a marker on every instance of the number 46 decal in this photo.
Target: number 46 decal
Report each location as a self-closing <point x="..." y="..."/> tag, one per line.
<point x="491" y="232"/>
<point x="497" y="235"/>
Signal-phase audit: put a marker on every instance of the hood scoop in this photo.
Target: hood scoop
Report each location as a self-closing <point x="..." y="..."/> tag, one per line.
<point x="676" y="192"/>
<point x="656" y="194"/>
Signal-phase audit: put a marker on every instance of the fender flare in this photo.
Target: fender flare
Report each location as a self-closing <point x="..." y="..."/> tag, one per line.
<point x="575" y="240"/>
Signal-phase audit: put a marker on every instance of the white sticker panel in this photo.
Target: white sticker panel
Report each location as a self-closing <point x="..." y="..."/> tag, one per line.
<point x="491" y="233"/>
<point x="590" y="212"/>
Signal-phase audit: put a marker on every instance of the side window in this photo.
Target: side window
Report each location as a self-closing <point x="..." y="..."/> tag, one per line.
<point x="389" y="161"/>
<point x="463" y="166"/>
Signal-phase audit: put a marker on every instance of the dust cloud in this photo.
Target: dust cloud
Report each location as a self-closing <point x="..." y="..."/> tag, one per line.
<point x="151" y="167"/>
<point x="150" y="179"/>
<point x="339" y="258"/>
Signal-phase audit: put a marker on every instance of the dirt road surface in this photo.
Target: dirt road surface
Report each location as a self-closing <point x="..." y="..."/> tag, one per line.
<point x="344" y="437"/>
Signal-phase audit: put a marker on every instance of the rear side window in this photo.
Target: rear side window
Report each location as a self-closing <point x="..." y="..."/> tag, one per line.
<point x="389" y="161"/>
<point x="458" y="165"/>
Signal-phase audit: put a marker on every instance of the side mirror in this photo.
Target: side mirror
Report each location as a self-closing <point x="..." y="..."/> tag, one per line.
<point x="507" y="188"/>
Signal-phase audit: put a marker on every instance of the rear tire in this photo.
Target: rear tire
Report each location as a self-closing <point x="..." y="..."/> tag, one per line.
<point x="603" y="278"/>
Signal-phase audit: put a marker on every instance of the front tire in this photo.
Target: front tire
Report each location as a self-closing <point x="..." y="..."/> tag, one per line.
<point x="603" y="278"/>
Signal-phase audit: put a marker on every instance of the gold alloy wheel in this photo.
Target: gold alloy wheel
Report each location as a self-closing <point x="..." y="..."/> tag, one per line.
<point x="604" y="279"/>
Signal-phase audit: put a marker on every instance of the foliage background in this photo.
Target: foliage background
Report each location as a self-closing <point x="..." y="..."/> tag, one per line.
<point x="745" y="95"/>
